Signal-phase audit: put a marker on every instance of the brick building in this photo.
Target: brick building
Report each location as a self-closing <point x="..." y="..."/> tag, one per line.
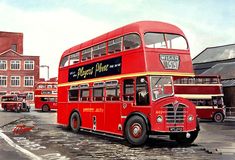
<point x="11" y="40"/>
<point x="18" y="72"/>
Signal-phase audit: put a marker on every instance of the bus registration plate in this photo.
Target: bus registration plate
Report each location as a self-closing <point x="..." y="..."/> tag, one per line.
<point x="170" y="61"/>
<point x="176" y="129"/>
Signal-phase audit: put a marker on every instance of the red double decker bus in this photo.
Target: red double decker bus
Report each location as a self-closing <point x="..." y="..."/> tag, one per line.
<point x="206" y="93"/>
<point x="45" y="96"/>
<point x="121" y="83"/>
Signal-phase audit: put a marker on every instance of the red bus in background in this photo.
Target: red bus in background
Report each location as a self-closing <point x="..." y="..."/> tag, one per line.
<point x="121" y="83"/>
<point x="206" y="93"/>
<point x="45" y="96"/>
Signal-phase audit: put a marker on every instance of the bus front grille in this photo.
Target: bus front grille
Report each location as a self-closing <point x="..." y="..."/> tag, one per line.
<point x="175" y="114"/>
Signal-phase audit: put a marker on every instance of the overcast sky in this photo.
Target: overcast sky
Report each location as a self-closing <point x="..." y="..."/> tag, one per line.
<point x="52" y="26"/>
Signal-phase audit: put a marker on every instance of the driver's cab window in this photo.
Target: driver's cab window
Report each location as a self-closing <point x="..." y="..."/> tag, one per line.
<point x="142" y="94"/>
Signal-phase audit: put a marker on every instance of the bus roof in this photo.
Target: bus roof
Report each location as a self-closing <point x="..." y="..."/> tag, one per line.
<point x="137" y="27"/>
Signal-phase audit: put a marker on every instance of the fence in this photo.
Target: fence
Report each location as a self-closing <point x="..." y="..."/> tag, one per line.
<point x="230" y="111"/>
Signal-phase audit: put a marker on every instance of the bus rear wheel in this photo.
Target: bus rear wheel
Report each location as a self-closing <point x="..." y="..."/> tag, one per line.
<point x="45" y="108"/>
<point x="136" y="131"/>
<point x="218" y="117"/>
<point x="75" y="122"/>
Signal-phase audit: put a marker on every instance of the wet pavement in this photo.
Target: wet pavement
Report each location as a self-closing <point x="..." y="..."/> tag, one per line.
<point x="47" y="140"/>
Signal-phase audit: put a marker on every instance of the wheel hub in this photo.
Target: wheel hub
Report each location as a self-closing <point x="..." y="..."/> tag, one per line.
<point x="136" y="130"/>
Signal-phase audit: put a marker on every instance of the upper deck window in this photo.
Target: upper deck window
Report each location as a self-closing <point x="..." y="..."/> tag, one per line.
<point x="74" y="58"/>
<point x="86" y="54"/>
<point x="131" y="41"/>
<point x="99" y="50"/>
<point x="64" y="62"/>
<point x="162" y="40"/>
<point x="115" y="45"/>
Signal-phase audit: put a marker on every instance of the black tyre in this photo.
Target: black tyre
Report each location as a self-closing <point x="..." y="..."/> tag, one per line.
<point x="75" y="122"/>
<point x="45" y="108"/>
<point x="218" y="117"/>
<point x="186" y="138"/>
<point x="136" y="131"/>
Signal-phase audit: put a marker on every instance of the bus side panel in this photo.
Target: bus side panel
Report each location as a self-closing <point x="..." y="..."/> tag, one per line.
<point x="37" y="103"/>
<point x="85" y="111"/>
<point x="113" y="117"/>
<point x="197" y="89"/>
<point x="97" y="116"/>
<point x="62" y="111"/>
<point x="129" y="59"/>
<point x="63" y="114"/>
<point x="205" y="113"/>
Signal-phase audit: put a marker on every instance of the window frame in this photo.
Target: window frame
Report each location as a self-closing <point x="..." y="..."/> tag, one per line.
<point x="19" y="83"/>
<point x="70" y="58"/>
<point x="73" y="99"/>
<point x="130" y="97"/>
<point x="11" y="63"/>
<point x="100" y="46"/>
<point x="123" y="41"/>
<point x="4" y="80"/>
<point x="164" y="36"/>
<point x="4" y="69"/>
<point x="86" y="52"/>
<point x="115" y="43"/>
<point x="29" y="79"/>
<point x="25" y="68"/>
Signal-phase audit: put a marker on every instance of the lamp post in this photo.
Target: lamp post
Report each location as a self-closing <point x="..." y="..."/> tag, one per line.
<point x="47" y="70"/>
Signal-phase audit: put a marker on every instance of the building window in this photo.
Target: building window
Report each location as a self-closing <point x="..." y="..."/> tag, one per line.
<point x="29" y="81"/>
<point x="29" y="65"/>
<point x="15" y="65"/>
<point x="14" y="47"/>
<point x="3" y="81"/>
<point x="3" y="65"/>
<point x="29" y="96"/>
<point x="15" y="81"/>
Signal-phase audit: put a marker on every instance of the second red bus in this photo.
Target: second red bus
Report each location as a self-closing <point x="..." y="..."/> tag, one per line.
<point x="45" y="96"/>
<point x="206" y="93"/>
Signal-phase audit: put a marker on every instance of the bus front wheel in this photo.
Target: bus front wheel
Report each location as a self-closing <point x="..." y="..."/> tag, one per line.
<point x="75" y="122"/>
<point x="136" y="131"/>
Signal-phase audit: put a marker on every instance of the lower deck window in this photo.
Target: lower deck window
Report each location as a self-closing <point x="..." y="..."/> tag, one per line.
<point x="84" y="95"/>
<point x="98" y="94"/>
<point x="73" y="95"/>
<point x="112" y="94"/>
<point x="48" y="99"/>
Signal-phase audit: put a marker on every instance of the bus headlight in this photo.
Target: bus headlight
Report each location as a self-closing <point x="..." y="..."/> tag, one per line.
<point x="190" y="118"/>
<point x="159" y="119"/>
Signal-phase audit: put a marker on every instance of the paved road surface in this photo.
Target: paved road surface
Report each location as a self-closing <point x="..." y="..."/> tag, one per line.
<point x="47" y="140"/>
